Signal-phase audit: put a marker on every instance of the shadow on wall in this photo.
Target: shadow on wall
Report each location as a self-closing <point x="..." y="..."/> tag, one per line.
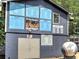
<point x="2" y="52"/>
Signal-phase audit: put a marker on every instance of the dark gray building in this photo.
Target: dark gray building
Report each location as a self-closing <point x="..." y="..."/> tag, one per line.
<point x="35" y="29"/>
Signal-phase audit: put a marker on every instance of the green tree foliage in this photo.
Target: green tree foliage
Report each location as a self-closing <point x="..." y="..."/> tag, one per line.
<point x="2" y="26"/>
<point x="2" y="31"/>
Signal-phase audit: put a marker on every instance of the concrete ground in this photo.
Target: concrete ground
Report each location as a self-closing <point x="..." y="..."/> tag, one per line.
<point x="77" y="57"/>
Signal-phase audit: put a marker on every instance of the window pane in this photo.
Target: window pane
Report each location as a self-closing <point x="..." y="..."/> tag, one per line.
<point x="56" y="18"/>
<point x="17" y="9"/>
<point x="45" y="25"/>
<point x="45" y="13"/>
<point x="16" y="22"/>
<point x="61" y="29"/>
<point x="32" y="11"/>
<point x="46" y="40"/>
<point x="32" y="24"/>
<point x="58" y="29"/>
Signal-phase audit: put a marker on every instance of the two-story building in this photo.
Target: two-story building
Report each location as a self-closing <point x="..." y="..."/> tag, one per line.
<point x="35" y="29"/>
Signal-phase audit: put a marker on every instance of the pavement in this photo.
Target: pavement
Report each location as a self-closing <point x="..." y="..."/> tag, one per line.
<point x="77" y="57"/>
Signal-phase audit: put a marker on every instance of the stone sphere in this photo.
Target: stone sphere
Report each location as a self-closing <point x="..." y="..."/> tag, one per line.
<point x="69" y="49"/>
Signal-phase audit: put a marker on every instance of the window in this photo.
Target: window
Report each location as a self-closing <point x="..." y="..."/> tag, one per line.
<point x="61" y="29"/>
<point x="45" y="19"/>
<point x="17" y="9"/>
<point x="32" y="20"/>
<point x="45" y="25"/>
<point x="16" y="22"/>
<point x="56" y="18"/>
<point x="38" y="18"/>
<point x="58" y="29"/>
<point x="45" y="13"/>
<point x="32" y="17"/>
<point x="16" y="15"/>
<point x="46" y="40"/>
<point x="32" y="24"/>
<point x="32" y="11"/>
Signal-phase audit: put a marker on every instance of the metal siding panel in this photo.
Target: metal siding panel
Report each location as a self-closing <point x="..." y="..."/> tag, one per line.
<point x="45" y="51"/>
<point x="11" y="46"/>
<point x="63" y="21"/>
<point x="11" y="49"/>
<point x="54" y="50"/>
<point x="59" y="40"/>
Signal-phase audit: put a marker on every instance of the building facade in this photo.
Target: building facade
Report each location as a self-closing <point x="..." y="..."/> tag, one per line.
<point x="35" y="29"/>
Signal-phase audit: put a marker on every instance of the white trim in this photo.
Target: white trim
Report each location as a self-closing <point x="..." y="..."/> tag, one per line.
<point x="0" y="8"/>
<point x="3" y="1"/>
<point x="29" y="36"/>
<point x="67" y="27"/>
<point x="6" y="16"/>
<point x="58" y="17"/>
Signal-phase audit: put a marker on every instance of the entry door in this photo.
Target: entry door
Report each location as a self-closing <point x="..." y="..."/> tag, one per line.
<point x="28" y="48"/>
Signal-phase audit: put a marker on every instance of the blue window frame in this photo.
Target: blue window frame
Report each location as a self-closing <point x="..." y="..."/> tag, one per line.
<point x="32" y="11"/>
<point x="45" y="19"/>
<point x="17" y="9"/>
<point x="45" y="25"/>
<point x="35" y="14"/>
<point x="16" y="22"/>
<point x="45" y="13"/>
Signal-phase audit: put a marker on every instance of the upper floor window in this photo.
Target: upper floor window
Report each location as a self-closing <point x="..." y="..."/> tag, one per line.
<point x="16" y="15"/>
<point x="17" y="9"/>
<point x="45" y="25"/>
<point x="38" y="18"/>
<point x="45" y="19"/>
<point x="32" y="11"/>
<point x="58" y="29"/>
<point x="45" y="13"/>
<point x="29" y="17"/>
<point x="56" y="18"/>
<point x="16" y="22"/>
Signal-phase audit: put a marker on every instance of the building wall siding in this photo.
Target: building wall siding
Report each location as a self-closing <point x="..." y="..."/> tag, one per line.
<point x="63" y="18"/>
<point x="45" y="51"/>
<point x="55" y="49"/>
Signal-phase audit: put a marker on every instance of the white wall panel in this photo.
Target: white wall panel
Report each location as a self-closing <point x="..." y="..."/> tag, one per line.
<point x="28" y="48"/>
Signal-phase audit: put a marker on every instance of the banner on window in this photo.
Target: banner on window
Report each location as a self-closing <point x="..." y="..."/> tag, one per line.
<point x="32" y="25"/>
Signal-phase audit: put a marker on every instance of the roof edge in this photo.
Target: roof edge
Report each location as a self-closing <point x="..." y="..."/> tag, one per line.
<point x="54" y="4"/>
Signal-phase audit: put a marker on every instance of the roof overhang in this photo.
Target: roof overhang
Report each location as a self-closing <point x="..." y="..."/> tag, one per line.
<point x="57" y="6"/>
<point x="49" y="1"/>
<point x="10" y="0"/>
<point x="4" y="1"/>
